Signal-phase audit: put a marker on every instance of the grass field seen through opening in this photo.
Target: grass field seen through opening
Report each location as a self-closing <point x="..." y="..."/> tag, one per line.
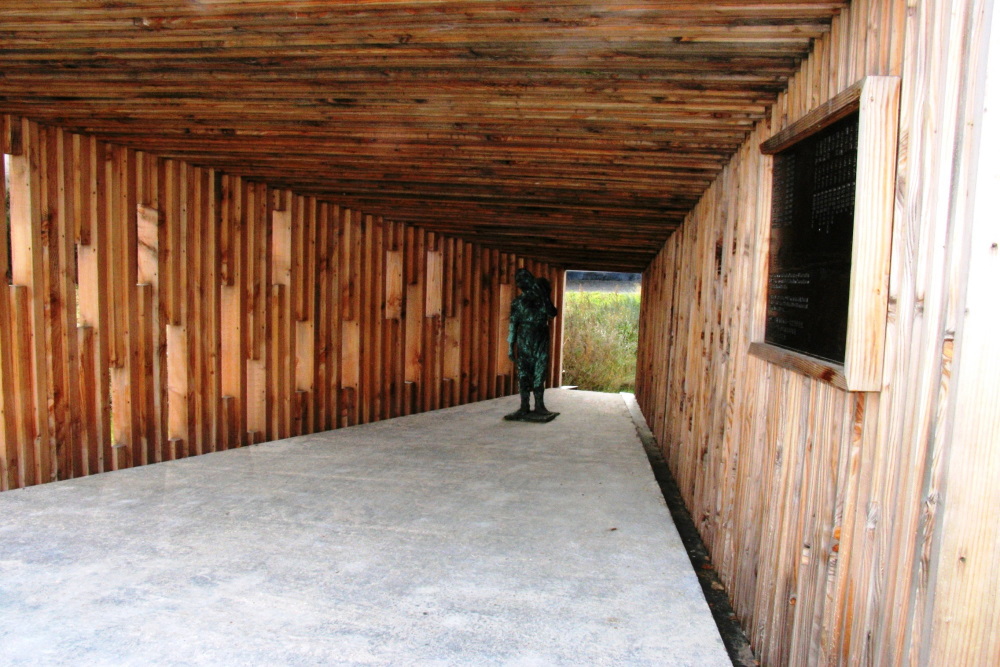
<point x="601" y="336"/>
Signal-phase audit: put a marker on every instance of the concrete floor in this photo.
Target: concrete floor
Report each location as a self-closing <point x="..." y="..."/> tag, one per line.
<point x="448" y="538"/>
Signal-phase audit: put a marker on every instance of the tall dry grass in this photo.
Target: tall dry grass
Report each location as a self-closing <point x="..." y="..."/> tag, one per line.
<point x="601" y="338"/>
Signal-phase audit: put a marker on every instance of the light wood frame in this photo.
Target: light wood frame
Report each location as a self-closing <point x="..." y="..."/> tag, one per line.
<point x="877" y="100"/>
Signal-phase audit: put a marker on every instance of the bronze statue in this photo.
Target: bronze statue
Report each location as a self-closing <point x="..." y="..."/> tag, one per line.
<point x="529" y="334"/>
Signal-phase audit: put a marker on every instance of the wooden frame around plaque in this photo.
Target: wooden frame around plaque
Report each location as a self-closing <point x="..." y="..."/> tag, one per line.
<point x="876" y="100"/>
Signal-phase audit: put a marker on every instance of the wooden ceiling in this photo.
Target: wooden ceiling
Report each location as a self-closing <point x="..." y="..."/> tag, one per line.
<point x="580" y="133"/>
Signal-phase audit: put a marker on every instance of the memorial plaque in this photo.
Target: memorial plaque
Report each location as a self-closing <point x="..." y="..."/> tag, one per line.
<point x="812" y="228"/>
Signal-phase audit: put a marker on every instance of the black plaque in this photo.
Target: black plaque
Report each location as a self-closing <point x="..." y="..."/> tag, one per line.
<point x="812" y="227"/>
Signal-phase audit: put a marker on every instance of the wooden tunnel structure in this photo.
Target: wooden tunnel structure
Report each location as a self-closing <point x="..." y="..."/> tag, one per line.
<point x="235" y="221"/>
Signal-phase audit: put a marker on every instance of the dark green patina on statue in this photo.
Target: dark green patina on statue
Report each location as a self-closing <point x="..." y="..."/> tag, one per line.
<point x="530" y="313"/>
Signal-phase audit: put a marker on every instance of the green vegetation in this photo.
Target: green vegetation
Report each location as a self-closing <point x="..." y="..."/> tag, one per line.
<point x="601" y="337"/>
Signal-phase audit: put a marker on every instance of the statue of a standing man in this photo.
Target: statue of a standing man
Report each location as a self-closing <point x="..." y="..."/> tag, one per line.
<point x="530" y="313"/>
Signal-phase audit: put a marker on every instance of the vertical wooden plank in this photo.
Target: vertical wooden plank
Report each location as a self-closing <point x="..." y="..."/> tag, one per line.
<point x="149" y="234"/>
<point x="350" y="370"/>
<point x="252" y="288"/>
<point x="27" y="267"/>
<point x="435" y="285"/>
<point x="558" y="327"/>
<point x="237" y="223"/>
<point x="8" y="416"/>
<point x="452" y="348"/>
<point x="476" y="364"/>
<point x="430" y="384"/>
<point x="170" y="300"/>
<point x="394" y="284"/>
<point x="380" y="397"/>
<point x="25" y="213"/>
<point x="228" y="422"/>
<point x="506" y="298"/>
<point x="433" y="349"/>
<point x="414" y="333"/>
<point x="121" y="275"/>
<point x="356" y="275"/>
<point x="228" y="202"/>
<point x="956" y="608"/>
<point x="306" y="349"/>
<point x="335" y="315"/>
<point x="4" y="225"/>
<point x="256" y="399"/>
<point x="119" y="307"/>
<point x="93" y="294"/>
<point x="389" y="327"/>
<point x="305" y="258"/>
<point x="350" y="354"/>
<point x="321" y="342"/>
<point x="453" y="276"/>
<point x="264" y="200"/>
<point x="870" y="252"/>
<point x="279" y="366"/>
<point x="400" y="370"/>
<point x="166" y="298"/>
<point x="61" y="269"/>
<point x="494" y="276"/>
<point x="467" y="317"/>
<point x="348" y="279"/>
<point x="305" y="355"/>
<point x="6" y="124"/>
<point x="47" y="291"/>
<point x="366" y="303"/>
<point x="177" y="384"/>
<point x="90" y="450"/>
<point x="21" y="354"/>
<point x="331" y="317"/>
<point x="233" y="363"/>
<point x="211" y="339"/>
<point x="148" y="241"/>
<point x="154" y="178"/>
<point x="133" y="343"/>
<point x="234" y="337"/>
<point x="145" y="446"/>
<point x="193" y="306"/>
<point x="347" y="285"/>
<point x="281" y="263"/>
<point x="414" y="314"/>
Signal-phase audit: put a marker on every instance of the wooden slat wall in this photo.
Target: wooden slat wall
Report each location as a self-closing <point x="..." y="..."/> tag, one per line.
<point x="154" y="310"/>
<point x="827" y="512"/>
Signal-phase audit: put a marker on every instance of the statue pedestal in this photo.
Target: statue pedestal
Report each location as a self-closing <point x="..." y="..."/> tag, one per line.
<point x="531" y="417"/>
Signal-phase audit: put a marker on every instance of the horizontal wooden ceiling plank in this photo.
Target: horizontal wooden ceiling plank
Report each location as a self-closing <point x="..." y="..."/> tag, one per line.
<point x="569" y="179"/>
<point x="265" y="72"/>
<point x="213" y="13"/>
<point x="684" y="148"/>
<point x="432" y="95"/>
<point x="492" y="129"/>
<point x="531" y="167"/>
<point x="345" y="107"/>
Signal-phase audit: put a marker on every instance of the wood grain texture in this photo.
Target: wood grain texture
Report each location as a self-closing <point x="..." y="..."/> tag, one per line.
<point x="486" y="121"/>
<point x="847" y="525"/>
<point x="960" y="616"/>
<point x="208" y="311"/>
<point x="870" y="252"/>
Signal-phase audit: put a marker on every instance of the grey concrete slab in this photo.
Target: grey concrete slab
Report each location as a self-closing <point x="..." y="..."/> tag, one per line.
<point x="447" y="538"/>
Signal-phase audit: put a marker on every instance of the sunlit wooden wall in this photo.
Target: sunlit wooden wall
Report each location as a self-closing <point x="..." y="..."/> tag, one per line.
<point x="157" y="310"/>
<point x="850" y="527"/>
